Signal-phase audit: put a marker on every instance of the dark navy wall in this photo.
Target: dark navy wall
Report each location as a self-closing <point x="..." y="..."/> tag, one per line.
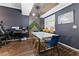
<point x="10" y="16"/>
<point x="25" y="20"/>
<point x="13" y="17"/>
<point x="71" y="36"/>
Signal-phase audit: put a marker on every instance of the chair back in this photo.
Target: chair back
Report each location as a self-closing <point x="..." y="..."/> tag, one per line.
<point x="2" y="30"/>
<point x="54" y="40"/>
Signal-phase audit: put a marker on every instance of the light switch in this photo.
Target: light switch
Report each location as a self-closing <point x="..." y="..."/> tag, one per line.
<point x="74" y="26"/>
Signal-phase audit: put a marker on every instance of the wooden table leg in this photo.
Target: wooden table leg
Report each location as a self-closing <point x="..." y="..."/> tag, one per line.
<point x="38" y="46"/>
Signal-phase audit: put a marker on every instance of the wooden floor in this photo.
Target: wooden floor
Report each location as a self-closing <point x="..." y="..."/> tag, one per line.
<point x="25" y="48"/>
<point x="16" y="48"/>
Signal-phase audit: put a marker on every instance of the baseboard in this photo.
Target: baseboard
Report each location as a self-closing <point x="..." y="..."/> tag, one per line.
<point x="69" y="47"/>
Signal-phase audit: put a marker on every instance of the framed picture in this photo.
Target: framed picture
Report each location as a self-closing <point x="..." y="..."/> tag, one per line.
<point x="66" y="18"/>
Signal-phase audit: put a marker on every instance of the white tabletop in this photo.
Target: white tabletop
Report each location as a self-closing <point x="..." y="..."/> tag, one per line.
<point x="42" y="35"/>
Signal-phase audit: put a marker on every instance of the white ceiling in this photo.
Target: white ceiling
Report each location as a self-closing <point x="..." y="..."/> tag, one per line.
<point x="26" y="8"/>
<point x="55" y="9"/>
<point x="11" y="5"/>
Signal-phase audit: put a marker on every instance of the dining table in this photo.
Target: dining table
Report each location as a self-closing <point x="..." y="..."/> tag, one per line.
<point x="42" y="36"/>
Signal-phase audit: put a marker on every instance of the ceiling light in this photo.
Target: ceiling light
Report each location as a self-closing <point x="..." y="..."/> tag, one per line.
<point x="33" y="14"/>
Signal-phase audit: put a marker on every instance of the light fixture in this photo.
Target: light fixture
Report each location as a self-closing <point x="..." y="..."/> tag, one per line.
<point x="33" y="14"/>
<point x="37" y="13"/>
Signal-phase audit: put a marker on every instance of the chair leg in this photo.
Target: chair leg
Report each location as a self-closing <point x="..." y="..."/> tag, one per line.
<point x="51" y="51"/>
<point x="57" y="50"/>
<point x="20" y="40"/>
<point x="0" y="44"/>
<point x="5" y="43"/>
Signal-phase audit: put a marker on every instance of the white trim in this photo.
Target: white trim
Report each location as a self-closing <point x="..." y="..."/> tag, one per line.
<point x="69" y="47"/>
<point x="55" y="9"/>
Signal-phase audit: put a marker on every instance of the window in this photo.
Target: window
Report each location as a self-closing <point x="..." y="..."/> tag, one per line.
<point x="49" y="22"/>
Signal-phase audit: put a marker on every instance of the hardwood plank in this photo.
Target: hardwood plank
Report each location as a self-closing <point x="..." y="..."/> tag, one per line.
<point x="26" y="48"/>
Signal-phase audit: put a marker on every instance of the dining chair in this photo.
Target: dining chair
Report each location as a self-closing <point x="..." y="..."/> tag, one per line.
<point x="3" y="36"/>
<point x="52" y="43"/>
